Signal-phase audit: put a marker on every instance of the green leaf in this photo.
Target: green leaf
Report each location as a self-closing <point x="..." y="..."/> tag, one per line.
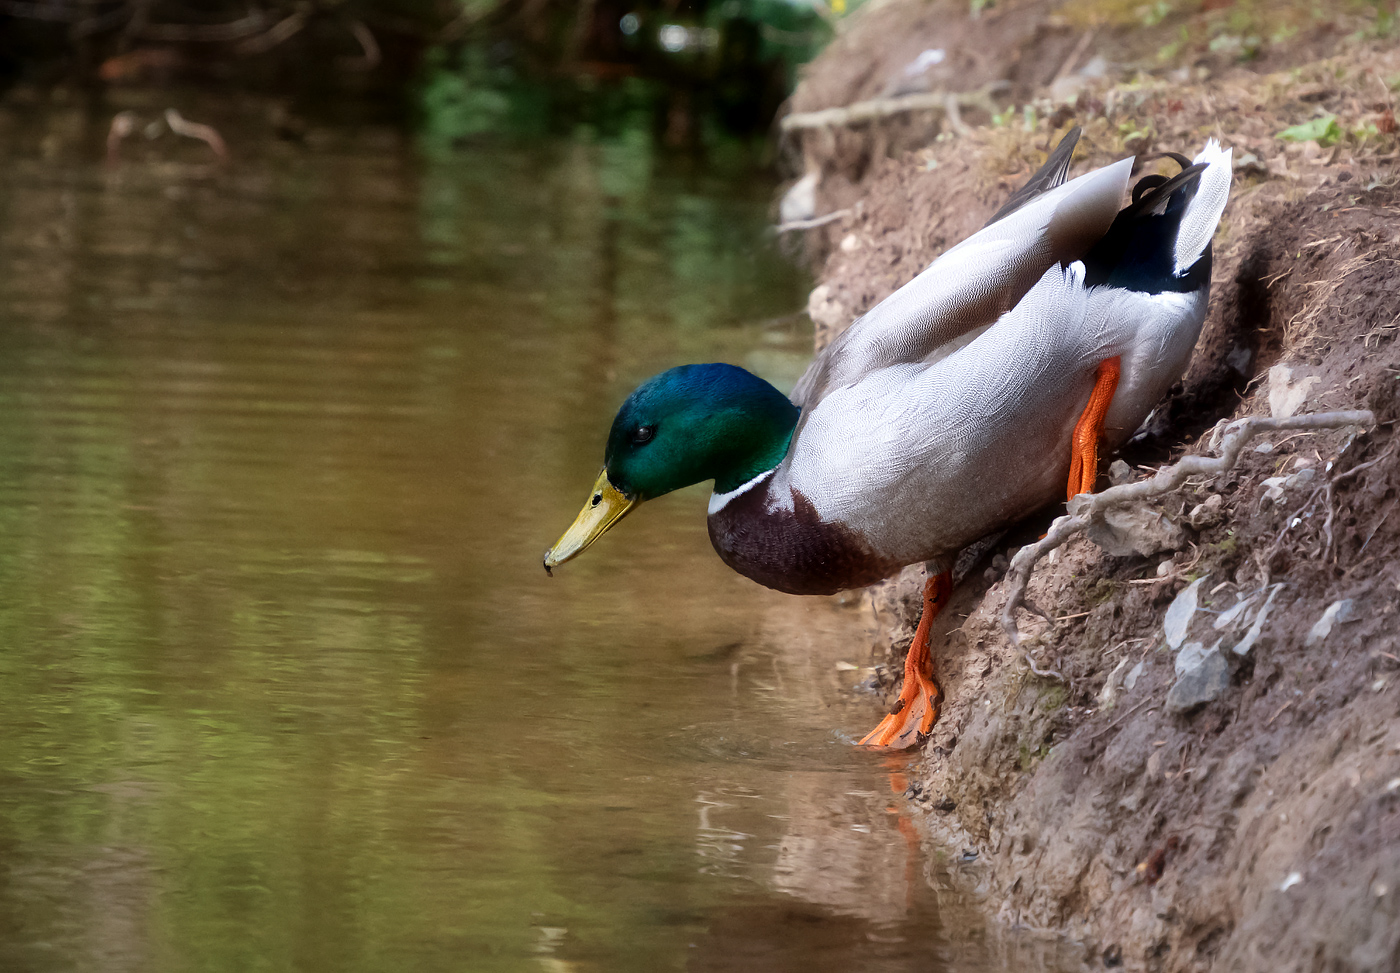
<point x="1324" y="131"/>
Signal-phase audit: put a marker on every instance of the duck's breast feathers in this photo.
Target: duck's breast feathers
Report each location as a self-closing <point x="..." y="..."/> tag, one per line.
<point x="773" y="535"/>
<point x="971" y="284"/>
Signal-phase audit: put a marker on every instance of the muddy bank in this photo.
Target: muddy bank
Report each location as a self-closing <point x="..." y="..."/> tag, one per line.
<point x="1256" y="824"/>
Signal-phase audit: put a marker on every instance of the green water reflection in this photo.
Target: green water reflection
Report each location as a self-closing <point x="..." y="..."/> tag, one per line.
<point x="282" y="685"/>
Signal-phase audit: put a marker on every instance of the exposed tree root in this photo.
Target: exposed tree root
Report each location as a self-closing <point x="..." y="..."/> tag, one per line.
<point x="1086" y="508"/>
<point x="865" y="111"/>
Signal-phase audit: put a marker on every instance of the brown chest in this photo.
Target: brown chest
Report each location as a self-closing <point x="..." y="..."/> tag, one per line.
<point x="793" y="550"/>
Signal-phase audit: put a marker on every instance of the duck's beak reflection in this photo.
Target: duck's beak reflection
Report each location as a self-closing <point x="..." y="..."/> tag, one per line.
<point x="606" y="506"/>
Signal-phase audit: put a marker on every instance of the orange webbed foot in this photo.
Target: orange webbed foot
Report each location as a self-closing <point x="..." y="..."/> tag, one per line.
<point x="914" y="713"/>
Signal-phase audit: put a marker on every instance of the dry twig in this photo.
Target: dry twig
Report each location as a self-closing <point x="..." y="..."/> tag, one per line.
<point x="1085" y="508"/>
<point x="867" y="111"/>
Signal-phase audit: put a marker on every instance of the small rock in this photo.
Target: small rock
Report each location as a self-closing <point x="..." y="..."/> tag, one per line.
<point x="1233" y="614"/>
<point x="1273" y="489"/>
<point x="1339" y="611"/>
<point x="1119" y="473"/>
<point x="1130" y="680"/>
<point x="1239" y="359"/>
<point x="1294" y="878"/>
<point x="1201" y="685"/>
<point x="1108" y="695"/>
<point x="1180" y="613"/>
<point x="1191" y="656"/>
<point x="1302" y="477"/>
<point x="850" y="243"/>
<point x="926" y="59"/>
<point x="1287" y="392"/>
<point x="1135" y="529"/>
<point x="829" y="316"/>
<point x="1206" y="513"/>
<point x="1245" y="644"/>
<point x="800" y="201"/>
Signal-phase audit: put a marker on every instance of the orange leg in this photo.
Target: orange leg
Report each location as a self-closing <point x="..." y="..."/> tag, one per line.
<point x="916" y="710"/>
<point x="1084" y="457"/>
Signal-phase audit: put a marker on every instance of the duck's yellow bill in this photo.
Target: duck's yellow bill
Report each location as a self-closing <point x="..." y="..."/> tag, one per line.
<point x="605" y="507"/>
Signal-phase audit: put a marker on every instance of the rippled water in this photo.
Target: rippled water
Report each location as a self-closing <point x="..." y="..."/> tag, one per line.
<point x="282" y="684"/>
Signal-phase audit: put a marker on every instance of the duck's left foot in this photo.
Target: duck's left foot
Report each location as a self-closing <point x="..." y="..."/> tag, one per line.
<point x="914" y="713"/>
<point x="1084" y="459"/>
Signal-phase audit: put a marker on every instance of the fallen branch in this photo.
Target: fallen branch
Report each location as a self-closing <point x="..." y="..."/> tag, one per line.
<point x="813" y="223"/>
<point x="1086" y="508"/>
<point x="279" y="32"/>
<point x="196" y="130"/>
<point x="867" y="111"/>
<point x="246" y="26"/>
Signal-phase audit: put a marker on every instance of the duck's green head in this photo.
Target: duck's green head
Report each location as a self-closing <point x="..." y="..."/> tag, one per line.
<point x="689" y="424"/>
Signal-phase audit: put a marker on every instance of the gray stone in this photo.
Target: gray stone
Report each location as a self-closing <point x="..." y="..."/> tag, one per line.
<point x="1289" y="391"/>
<point x="1207" y="513"/>
<point x="1179" y="614"/>
<point x="1339" y="611"/>
<point x="1240" y="358"/>
<point x="1134" y="528"/>
<point x="1108" y="696"/>
<point x="1302" y="478"/>
<point x="1201" y="685"/>
<point x="1245" y="644"/>
<point x="1235" y="613"/>
<point x="1191" y="656"/>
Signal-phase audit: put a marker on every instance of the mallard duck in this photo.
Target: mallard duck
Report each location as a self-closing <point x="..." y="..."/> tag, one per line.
<point x="963" y="402"/>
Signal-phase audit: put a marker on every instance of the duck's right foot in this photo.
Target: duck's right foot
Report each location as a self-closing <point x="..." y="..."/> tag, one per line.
<point x="912" y="716"/>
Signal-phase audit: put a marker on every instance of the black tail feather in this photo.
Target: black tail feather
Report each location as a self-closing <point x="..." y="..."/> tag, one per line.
<point x="1139" y="250"/>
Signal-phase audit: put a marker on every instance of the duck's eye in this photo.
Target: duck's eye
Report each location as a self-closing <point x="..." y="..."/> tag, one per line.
<point x="643" y="434"/>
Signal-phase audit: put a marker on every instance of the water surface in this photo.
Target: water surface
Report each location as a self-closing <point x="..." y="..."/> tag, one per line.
<point x="282" y="683"/>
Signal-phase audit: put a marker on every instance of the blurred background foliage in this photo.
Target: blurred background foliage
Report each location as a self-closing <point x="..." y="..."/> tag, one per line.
<point x="456" y="68"/>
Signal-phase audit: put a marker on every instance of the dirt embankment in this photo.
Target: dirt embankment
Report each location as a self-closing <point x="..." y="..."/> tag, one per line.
<point x="1259" y="829"/>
